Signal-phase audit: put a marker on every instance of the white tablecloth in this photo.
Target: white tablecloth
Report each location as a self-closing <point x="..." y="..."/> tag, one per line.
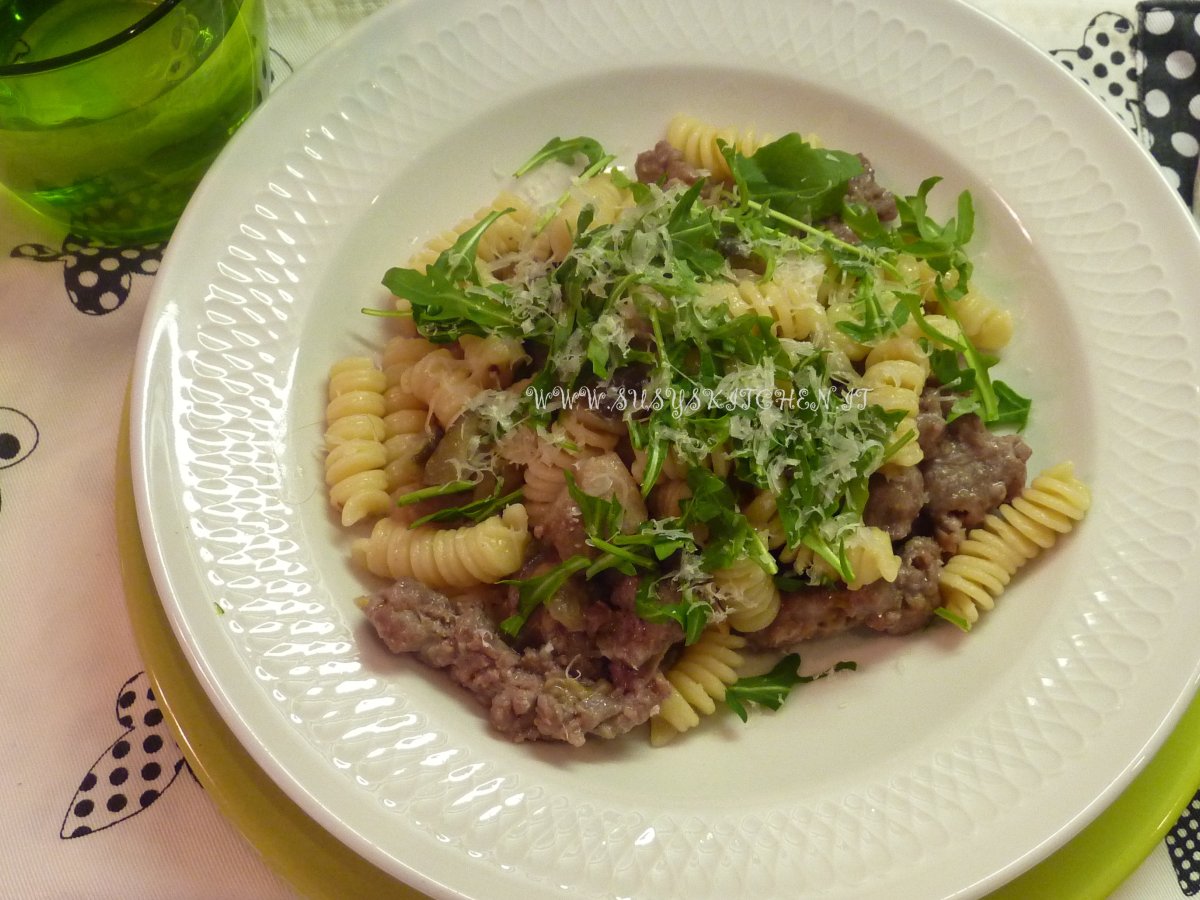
<point x="95" y="798"/>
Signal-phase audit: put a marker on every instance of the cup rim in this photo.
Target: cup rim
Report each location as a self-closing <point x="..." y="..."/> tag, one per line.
<point x="84" y="53"/>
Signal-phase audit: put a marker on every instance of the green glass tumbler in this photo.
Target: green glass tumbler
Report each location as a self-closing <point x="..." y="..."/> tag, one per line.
<point x="112" y="110"/>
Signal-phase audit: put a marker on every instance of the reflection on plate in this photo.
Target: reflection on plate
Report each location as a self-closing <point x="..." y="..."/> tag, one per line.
<point x="947" y="763"/>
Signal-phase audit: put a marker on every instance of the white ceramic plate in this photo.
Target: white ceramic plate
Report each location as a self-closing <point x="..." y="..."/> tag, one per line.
<point x="947" y="763"/>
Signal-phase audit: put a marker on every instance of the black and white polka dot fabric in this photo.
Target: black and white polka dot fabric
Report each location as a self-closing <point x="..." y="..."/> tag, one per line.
<point x="1183" y="845"/>
<point x="1169" y="87"/>
<point x="97" y="277"/>
<point x="1106" y="61"/>
<point x="133" y="772"/>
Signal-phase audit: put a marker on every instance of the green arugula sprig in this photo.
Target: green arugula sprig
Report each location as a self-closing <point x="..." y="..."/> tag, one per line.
<point x="953" y="618"/>
<point x="772" y="688"/>
<point x="437" y="490"/>
<point x="1007" y="406"/>
<point x="730" y="535"/>
<point x="637" y="553"/>
<point x="690" y="611"/>
<point x="564" y="151"/>
<point x="449" y="299"/>
<point x="764" y="181"/>
<point x="793" y="178"/>
<point x="474" y="510"/>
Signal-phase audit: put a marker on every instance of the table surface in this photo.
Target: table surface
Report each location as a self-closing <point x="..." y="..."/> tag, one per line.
<point x="79" y="713"/>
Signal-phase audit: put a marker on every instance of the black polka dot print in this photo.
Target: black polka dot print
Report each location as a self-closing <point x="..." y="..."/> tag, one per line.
<point x="133" y="772"/>
<point x="18" y="436"/>
<point x="97" y="277"/>
<point x="1183" y="846"/>
<point x="1169" y="87"/>
<point x="1105" y="62"/>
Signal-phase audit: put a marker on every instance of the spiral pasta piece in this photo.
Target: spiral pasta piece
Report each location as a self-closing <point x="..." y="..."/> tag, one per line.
<point x="443" y="383"/>
<point x="355" y="456"/>
<point x="545" y="478"/>
<point x="870" y="555"/>
<point x="751" y="597"/>
<point x="698" y="680"/>
<point x="844" y="349"/>
<point x="503" y="236"/>
<point x="399" y="355"/>
<point x="762" y="513"/>
<point x="672" y="466"/>
<point x="942" y="324"/>
<point x="986" y="561"/>
<point x="989" y="327"/>
<point x="895" y="374"/>
<point x="588" y="430"/>
<point x="492" y="360"/>
<point x="605" y="198"/>
<point x="666" y="500"/>
<point x="447" y="558"/>
<point x="362" y="426"/>
<point x="697" y="140"/>
<point x="788" y="301"/>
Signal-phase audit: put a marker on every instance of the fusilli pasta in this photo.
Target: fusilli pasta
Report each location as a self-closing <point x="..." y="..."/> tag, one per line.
<point x="504" y="236"/>
<point x="587" y="429"/>
<point x="697" y="140"/>
<point x="985" y="562"/>
<point x="447" y="558"/>
<point x="698" y="680"/>
<point x="355" y="456"/>
<point x="987" y="325"/>
<point x="894" y="376"/>
<point x="442" y="382"/>
<point x="606" y="201"/>
<point x="751" y="597"/>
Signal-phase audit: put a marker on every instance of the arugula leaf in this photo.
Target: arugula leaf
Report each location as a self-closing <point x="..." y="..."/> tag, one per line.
<point x="795" y="178"/>
<point x="691" y="613"/>
<point x="600" y="516"/>
<point x="772" y="689"/>
<point x="1011" y="408"/>
<point x="730" y="535"/>
<point x="864" y="221"/>
<point x="694" y="234"/>
<point x="535" y="591"/>
<point x="1007" y="407"/>
<point x="447" y="299"/>
<point x="438" y="490"/>
<point x="942" y="246"/>
<point x="953" y="618"/>
<point x="475" y="511"/>
<point x="564" y="151"/>
<point x="653" y="542"/>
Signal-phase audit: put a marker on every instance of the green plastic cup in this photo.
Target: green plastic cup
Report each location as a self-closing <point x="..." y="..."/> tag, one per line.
<point x="112" y="110"/>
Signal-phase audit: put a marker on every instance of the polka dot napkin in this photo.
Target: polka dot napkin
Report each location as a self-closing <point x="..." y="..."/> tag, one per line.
<point x="1169" y="88"/>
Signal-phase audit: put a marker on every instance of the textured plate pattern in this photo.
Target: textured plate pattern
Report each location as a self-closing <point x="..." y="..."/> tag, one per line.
<point x="911" y="789"/>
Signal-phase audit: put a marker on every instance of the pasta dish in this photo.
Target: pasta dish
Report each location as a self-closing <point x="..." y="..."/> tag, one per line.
<point x="634" y="426"/>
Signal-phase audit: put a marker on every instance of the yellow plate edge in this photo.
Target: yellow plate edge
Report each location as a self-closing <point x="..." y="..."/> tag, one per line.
<point x="292" y="844"/>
